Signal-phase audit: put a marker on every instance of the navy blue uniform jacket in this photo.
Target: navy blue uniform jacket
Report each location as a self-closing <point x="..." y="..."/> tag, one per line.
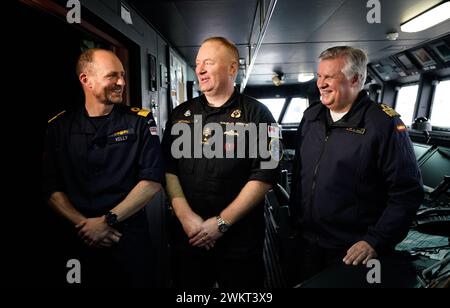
<point x="97" y="169"/>
<point x="355" y="179"/>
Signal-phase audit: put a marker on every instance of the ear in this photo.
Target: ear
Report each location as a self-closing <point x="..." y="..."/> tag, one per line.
<point x="233" y="68"/>
<point x="355" y="80"/>
<point x="84" y="80"/>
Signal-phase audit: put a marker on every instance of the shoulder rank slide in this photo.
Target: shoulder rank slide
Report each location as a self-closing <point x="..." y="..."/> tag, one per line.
<point x="140" y="112"/>
<point x="389" y="111"/>
<point x="56" y="116"/>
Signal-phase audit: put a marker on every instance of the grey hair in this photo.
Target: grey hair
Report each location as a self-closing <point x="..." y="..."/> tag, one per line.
<point x="355" y="61"/>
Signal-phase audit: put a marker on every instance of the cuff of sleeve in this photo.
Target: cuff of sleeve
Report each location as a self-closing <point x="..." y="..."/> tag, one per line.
<point x="172" y="170"/>
<point x="379" y="244"/>
<point x="267" y="177"/>
<point x="373" y="241"/>
<point x="49" y="189"/>
<point x="152" y="175"/>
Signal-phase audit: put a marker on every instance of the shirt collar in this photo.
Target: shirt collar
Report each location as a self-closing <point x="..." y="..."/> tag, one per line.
<point x="229" y="103"/>
<point x="353" y="118"/>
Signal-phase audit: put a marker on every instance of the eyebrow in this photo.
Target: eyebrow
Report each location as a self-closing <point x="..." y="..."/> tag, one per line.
<point x="207" y="59"/>
<point x="111" y="73"/>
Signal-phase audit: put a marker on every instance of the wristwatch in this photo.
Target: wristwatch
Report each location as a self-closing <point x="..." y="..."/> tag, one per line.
<point x="111" y="219"/>
<point x="222" y="224"/>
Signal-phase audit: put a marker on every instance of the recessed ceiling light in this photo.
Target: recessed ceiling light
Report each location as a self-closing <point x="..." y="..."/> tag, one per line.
<point x="428" y="18"/>
<point x="304" y="77"/>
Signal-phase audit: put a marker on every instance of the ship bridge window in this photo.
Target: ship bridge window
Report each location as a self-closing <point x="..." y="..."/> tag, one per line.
<point x="441" y="105"/>
<point x="406" y="102"/>
<point x="294" y="111"/>
<point x="275" y="105"/>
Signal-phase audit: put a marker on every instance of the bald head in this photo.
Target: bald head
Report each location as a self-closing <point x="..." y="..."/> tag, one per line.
<point x="87" y="59"/>
<point x="102" y="76"/>
<point x="231" y="49"/>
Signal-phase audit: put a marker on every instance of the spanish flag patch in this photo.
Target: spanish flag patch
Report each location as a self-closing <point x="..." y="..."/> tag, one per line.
<point x="401" y="128"/>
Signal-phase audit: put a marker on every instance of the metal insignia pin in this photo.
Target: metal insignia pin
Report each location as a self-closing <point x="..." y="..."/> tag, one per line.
<point x="187" y="113"/>
<point x="236" y="114"/>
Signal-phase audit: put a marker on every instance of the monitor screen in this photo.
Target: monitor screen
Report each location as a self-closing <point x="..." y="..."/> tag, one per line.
<point x="406" y="62"/>
<point x="379" y="69"/>
<point x="389" y="69"/>
<point x="420" y="150"/>
<point x="442" y="50"/>
<point x="423" y="57"/>
<point x="435" y="167"/>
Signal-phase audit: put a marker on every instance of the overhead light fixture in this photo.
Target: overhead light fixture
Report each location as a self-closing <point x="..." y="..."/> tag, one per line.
<point x="125" y="14"/>
<point x="392" y="36"/>
<point x="428" y="18"/>
<point x="304" y="77"/>
<point x="277" y="79"/>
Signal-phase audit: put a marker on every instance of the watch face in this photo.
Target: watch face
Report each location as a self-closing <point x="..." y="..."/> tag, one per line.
<point x="111" y="219"/>
<point x="223" y="228"/>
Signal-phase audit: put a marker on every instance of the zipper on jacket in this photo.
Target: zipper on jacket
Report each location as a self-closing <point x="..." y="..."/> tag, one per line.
<point x="316" y="168"/>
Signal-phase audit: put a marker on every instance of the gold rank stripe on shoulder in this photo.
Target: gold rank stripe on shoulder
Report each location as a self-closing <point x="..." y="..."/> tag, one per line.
<point x="143" y="112"/>
<point x="140" y="112"/>
<point x="49" y="121"/>
<point x="389" y="111"/>
<point x="360" y="131"/>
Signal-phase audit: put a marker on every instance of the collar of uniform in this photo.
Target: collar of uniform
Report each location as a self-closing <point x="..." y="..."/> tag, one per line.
<point x="81" y="123"/>
<point x="230" y="102"/>
<point x="313" y="111"/>
<point x="116" y="122"/>
<point x="353" y="118"/>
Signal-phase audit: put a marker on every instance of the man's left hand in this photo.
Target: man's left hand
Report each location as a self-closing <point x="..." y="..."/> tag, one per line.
<point x="361" y="251"/>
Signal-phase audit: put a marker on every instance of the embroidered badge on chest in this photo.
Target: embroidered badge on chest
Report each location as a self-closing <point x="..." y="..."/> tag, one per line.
<point x="360" y="131"/>
<point x="206" y="135"/>
<point x="236" y="114"/>
<point x="124" y="135"/>
<point x="120" y="136"/>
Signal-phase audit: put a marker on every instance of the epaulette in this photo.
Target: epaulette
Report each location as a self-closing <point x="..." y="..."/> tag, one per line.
<point x="388" y="110"/>
<point x="56" y="116"/>
<point x="140" y="112"/>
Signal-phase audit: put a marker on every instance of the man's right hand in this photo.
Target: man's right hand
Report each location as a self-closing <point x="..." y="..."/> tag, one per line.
<point x="96" y="233"/>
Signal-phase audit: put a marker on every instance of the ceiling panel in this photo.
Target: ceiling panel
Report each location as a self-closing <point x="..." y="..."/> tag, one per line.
<point x="188" y="23"/>
<point x="294" y="20"/>
<point x="299" y="29"/>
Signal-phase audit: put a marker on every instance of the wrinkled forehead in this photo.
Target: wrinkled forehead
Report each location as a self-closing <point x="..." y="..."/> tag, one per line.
<point x="331" y="65"/>
<point x="106" y="62"/>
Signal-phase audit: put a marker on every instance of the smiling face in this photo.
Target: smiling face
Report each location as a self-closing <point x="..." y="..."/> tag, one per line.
<point x="336" y="90"/>
<point x="215" y="69"/>
<point x="104" y="79"/>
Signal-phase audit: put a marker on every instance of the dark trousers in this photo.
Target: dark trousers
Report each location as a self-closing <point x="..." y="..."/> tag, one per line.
<point x="128" y="263"/>
<point x="197" y="268"/>
<point x="314" y="259"/>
